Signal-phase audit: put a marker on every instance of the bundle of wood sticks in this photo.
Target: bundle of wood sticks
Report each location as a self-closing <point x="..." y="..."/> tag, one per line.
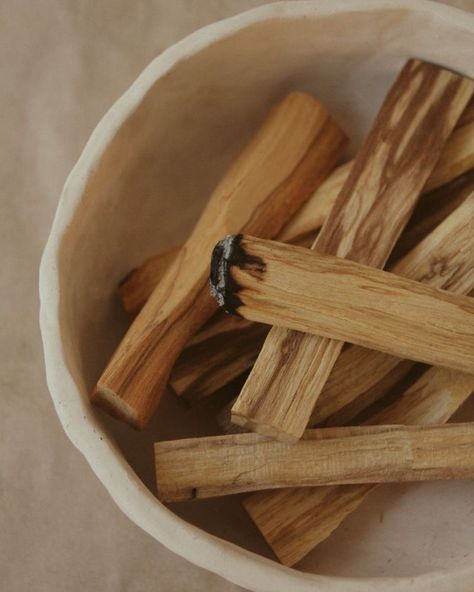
<point x="348" y="314"/>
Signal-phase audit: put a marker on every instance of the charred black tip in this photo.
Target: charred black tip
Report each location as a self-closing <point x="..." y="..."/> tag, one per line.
<point x="223" y="287"/>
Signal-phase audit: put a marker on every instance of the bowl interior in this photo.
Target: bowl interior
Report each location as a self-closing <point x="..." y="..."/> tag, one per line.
<point x="148" y="188"/>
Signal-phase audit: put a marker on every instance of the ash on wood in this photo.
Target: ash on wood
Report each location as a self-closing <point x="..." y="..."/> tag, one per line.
<point x="222" y="465"/>
<point x="368" y="216"/>
<point x="299" y="289"/>
<point x="292" y="153"/>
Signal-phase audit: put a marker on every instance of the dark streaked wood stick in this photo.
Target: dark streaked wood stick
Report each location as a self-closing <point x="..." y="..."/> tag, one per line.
<point x="295" y="149"/>
<point x="431" y="210"/>
<point x="444" y="259"/>
<point x="223" y="465"/>
<point x="295" y="520"/>
<point x="366" y="220"/>
<point x="468" y="114"/>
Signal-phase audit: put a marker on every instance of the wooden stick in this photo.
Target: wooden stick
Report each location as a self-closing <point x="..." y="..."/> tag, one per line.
<point x="233" y="346"/>
<point x="223" y="465"/>
<point x="444" y="259"/>
<point x="292" y="153"/>
<point x="347" y="414"/>
<point x="468" y="114"/>
<point x="393" y="382"/>
<point x="295" y="520"/>
<point x="430" y="211"/>
<point x="299" y="289"/>
<point x="138" y="286"/>
<point x="456" y="159"/>
<point x="374" y="205"/>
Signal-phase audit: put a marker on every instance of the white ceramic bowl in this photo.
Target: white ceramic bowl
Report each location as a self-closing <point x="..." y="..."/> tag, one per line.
<point x="138" y="187"/>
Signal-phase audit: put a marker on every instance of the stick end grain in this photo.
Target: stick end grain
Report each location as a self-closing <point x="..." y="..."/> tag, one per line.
<point x="115" y="406"/>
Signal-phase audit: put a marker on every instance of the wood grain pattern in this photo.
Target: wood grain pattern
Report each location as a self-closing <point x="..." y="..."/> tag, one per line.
<point x="295" y="520"/>
<point x="208" y="363"/>
<point x="444" y="259"/>
<point x="456" y="159"/>
<point x="204" y="369"/>
<point x="292" y="153"/>
<point x="299" y="289"/>
<point x="223" y="465"/>
<point x="139" y="284"/>
<point x="468" y="114"/>
<point x="347" y="414"/>
<point x="431" y="210"/>
<point x="366" y="220"/>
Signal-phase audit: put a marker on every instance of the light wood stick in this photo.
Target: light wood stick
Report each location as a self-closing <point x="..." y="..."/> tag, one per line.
<point x="368" y="216"/>
<point x="138" y="286"/>
<point x="444" y="259"/>
<point x="293" y="152"/>
<point x="223" y="465"/>
<point x="235" y="343"/>
<point x="394" y="380"/>
<point x="299" y="289"/>
<point x="456" y="159"/>
<point x="295" y="520"/>
<point x="207" y="364"/>
<point x="346" y="414"/>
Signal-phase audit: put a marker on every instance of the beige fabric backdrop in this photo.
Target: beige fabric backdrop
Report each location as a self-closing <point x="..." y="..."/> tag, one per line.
<point x="63" y="63"/>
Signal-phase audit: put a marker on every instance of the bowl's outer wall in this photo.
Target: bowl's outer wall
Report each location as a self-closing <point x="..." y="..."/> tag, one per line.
<point x="139" y="186"/>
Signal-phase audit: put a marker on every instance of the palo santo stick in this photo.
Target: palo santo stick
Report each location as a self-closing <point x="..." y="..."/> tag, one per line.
<point x="456" y="159"/>
<point x="143" y="280"/>
<point x="234" y="347"/>
<point x="431" y="210"/>
<point x="444" y="259"/>
<point x="347" y="415"/>
<point x="197" y="468"/>
<point x="395" y="379"/>
<point x="292" y="153"/>
<point x="295" y="520"/>
<point x="206" y="365"/>
<point x="302" y="290"/>
<point x="366" y="220"/>
<point x="202" y="370"/>
<point x="468" y="114"/>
